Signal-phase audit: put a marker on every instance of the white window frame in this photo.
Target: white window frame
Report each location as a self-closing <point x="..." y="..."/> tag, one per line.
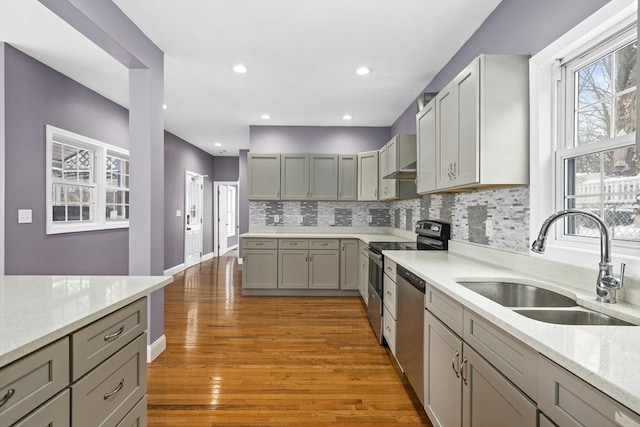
<point x="546" y="129"/>
<point x="100" y="148"/>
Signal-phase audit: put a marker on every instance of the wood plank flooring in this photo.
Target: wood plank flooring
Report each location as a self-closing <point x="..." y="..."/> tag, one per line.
<point x="270" y="361"/>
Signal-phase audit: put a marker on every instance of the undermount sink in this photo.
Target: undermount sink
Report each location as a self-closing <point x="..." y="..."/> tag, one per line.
<point x="511" y="294"/>
<point x="573" y="317"/>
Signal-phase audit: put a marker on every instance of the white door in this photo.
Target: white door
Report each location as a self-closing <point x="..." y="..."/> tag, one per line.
<point x="223" y="220"/>
<point x="193" y="236"/>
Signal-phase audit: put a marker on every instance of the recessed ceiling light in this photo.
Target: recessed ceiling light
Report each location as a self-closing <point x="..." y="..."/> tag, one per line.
<point x="363" y="71"/>
<point x="265" y="117"/>
<point x="218" y="144"/>
<point x="164" y="106"/>
<point x="240" y="69"/>
<point x="347" y="117"/>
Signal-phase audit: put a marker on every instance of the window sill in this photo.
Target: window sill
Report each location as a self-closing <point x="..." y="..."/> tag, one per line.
<point x="76" y="228"/>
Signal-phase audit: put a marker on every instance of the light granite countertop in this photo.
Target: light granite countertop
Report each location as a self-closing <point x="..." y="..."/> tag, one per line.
<point x="606" y="357"/>
<point x="37" y="310"/>
<point x="365" y="237"/>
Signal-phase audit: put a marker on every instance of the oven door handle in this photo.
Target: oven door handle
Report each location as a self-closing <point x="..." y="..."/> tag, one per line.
<point x="374" y="255"/>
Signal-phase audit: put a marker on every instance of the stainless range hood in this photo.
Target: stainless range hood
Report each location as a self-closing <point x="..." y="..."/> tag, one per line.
<point x="407" y="172"/>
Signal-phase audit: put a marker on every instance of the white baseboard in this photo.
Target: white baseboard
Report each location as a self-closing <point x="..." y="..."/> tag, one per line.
<point x="175" y="270"/>
<point x="207" y="256"/>
<point x="156" y="348"/>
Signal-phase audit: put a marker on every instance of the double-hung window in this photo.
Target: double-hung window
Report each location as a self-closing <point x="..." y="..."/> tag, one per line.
<point x="583" y="127"/>
<point x="87" y="183"/>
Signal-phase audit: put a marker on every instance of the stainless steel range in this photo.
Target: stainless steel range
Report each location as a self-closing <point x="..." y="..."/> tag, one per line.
<point x="431" y="236"/>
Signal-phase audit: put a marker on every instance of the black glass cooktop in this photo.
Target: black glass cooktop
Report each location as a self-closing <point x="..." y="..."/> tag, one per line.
<point x="393" y="246"/>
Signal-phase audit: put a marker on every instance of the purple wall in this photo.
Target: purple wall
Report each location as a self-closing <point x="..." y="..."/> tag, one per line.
<point x="514" y="27"/>
<point x="316" y="139"/>
<point x="226" y="168"/>
<point x="179" y="157"/>
<point x="37" y="95"/>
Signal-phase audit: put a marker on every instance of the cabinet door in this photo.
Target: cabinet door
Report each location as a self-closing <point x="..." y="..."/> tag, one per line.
<point x="264" y="176"/>
<point x="364" y="277"/>
<point x="294" y="178"/>
<point x="368" y="175"/>
<point x="446" y="136"/>
<point x="349" y="264"/>
<point x="426" y="126"/>
<point x="293" y="269"/>
<point x="54" y="413"/>
<point x="392" y="165"/>
<point x="489" y="399"/>
<point x="383" y="159"/>
<point x="260" y="269"/>
<point x="467" y="90"/>
<point x="323" y="177"/>
<point x="324" y="269"/>
<point x="348" y="177"/>
<point x="443" y="387"/>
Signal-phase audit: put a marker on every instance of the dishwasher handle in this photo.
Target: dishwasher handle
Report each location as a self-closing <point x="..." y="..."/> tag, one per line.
<point x="414" y="280"/>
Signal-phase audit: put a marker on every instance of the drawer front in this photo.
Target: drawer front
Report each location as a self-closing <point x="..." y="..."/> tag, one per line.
<point x="446" y="309"/>
<point x="324" y="244"/>
<point x="293" y="244"/>
<point x="569" y="401"/>
<point x="54" y="413"/>
<point x="32" y="380"/>
<point x="511" y="357"/>
<point x="259" y="243"/>
<point x="137" y="417"/>
<point x="389" y="330"/>
<point x="390" y="268"/>
<point x="110" y="391"/>
<point x="95" y="343"/>
<point x="389" y="298"/>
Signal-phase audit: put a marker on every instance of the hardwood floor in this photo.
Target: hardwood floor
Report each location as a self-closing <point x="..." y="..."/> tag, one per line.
<point x="268" y="361"/>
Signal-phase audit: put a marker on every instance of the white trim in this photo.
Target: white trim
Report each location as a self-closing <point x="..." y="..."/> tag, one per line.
<point x="156" y="348"/>
<point x="208" y="256"/>
<point x="543" y="68"/>
<point x="239" y="261"/>
<point x="175" y="270"/>
<point x="101" y="149"/>
<point x="216" y="184"/>
<point x="200" y="177"/>
<point x="229" y="249"/>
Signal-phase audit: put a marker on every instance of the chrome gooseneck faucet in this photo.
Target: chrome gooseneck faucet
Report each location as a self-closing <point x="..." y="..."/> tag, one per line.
<point x="607" y="284"/>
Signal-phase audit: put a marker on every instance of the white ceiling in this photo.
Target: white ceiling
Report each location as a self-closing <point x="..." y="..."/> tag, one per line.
<point x="301" y="55"/>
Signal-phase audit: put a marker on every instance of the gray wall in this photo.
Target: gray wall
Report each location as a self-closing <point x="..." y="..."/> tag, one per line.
<point x="179" y="157"/>
<point x="243" y="190"/>
<point x="37" y="95"/>
<point x="514" y="27"/>
<point x="2" y="162"/>
<point x="226" y="168"/>
<point x="316" y="139"/>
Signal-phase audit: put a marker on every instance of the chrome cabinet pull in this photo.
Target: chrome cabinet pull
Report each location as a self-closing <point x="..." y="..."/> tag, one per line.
<point x="453" y="364"/>
<point x="462" y="366"/>
<point x="389" y="268"/>
<point x="115" y="390"/>
<point x="115" y="334"/>
<point x="259" y="244"/>
<point x="294" y="244"/>
<point x="8" y="395"/>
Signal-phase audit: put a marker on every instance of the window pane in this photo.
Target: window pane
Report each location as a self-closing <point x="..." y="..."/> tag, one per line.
<point x="59" y="213"/>
<point x="594" y="123"/>
<point x="71" y="176"/>
<point x="110" y="196"/>
<point x="625" y="114"/>
<point x="73" y="213"/>
<point x="86" y="213"/>
<point x="58" y="194"/>
<point x="594" y="82"/>
<point x="626" y="67"/>
<point x="74" y="194"/>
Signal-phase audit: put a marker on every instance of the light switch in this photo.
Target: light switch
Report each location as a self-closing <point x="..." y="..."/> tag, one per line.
<point x="369" y="219"/>
<point x="300" y="219"/>
<point x="24" y="216"/>
<point x="178" y="213"/>
<point x="276" y="218"/>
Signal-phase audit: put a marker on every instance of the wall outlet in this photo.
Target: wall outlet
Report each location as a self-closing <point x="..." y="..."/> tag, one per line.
<point x="300" y="219"/>
<point x="488" y="228"/>
<point x="24" y="216"/>
<point x="369" y="219"/>
<point x="178" y="213"/>
<point x="276" y="218"/>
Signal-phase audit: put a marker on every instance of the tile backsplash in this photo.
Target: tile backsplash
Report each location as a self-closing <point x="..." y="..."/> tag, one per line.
<point x="508" y="210"/>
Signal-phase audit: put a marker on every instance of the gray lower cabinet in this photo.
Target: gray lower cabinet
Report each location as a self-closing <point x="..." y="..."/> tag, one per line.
<point x="293" y="269"/>
<point x="462" y="389"/>
<point x="260" y="268"/>
<point x="543" y="421"/>
<point x="137" y="417"/>
<point x="263" y="176"/>
<point x="349" y="271"/>
<point x="324" y="269"/>
<point x="54" y="413"/>
<point x="364" y="277"/>
<point x="569" y="401"/>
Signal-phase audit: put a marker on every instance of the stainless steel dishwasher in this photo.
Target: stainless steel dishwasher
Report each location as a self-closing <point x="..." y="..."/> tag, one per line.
<point x="410" y="325"/>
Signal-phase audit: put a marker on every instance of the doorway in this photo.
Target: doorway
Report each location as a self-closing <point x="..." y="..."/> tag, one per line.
<point x="225" y="216"/>
<point x="193" y="236"/>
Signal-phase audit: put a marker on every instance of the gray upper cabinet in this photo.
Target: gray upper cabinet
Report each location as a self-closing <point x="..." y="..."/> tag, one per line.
<point x="385" y="185"/>
<point x="426" y="148"/>
<point x="396" y="158"/>
<point x="323" y="177"/>
<point x="348" y="177"/>
<point x="368" y="175"/>
<point x="294" y="178"/>
<point x="263" y="176"/>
